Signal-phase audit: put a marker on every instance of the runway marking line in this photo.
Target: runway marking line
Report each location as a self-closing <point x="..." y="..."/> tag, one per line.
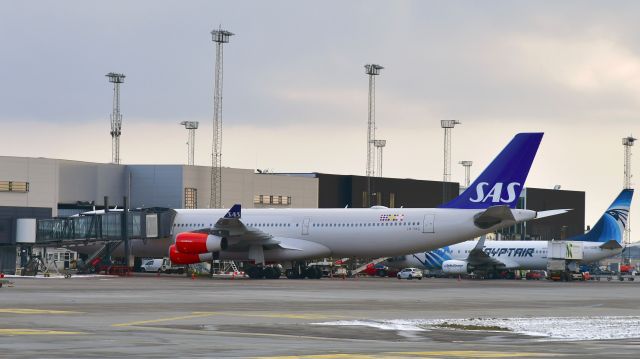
<point x="160" y="320"/>
<point x="310" y="316"/>
<point x="425" y="354"/>
<point x="20" y="331"/>
<point x="36" y="311"/>
<point x="194" y="315"/>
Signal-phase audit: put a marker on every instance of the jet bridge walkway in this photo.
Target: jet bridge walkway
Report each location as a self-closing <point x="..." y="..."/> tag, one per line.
<point x="102" y="227"/>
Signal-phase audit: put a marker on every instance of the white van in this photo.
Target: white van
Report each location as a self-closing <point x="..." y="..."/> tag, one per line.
<point x="151" y="265"/>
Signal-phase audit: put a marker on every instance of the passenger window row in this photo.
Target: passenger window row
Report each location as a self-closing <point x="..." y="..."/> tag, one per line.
<point x="270" y="224"/>
<point x="385" y="224"/>
<point x="191" y="225"/>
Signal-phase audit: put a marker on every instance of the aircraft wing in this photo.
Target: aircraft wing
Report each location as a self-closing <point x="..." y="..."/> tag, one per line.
<point x="479" y="259"/>
<point x="242" y="238"/>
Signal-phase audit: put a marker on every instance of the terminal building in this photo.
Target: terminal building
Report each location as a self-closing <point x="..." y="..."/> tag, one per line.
<point x="44" y="188"/>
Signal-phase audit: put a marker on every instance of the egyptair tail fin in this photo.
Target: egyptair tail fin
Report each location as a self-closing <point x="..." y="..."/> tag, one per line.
<point x="613" y="222"/>
<point x="502" y="181"/>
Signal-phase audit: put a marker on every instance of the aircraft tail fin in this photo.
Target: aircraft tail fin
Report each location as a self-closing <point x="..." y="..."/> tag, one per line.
<point x="234" y="212"/>
<point x="613" y="222"/>
<point x="502" y="181"/>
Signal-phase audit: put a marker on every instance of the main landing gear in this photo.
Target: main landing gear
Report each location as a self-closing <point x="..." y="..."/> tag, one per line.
<point x="301" y="271"/>
<point x="298" y="271"/>
<point x="259" y="272"/>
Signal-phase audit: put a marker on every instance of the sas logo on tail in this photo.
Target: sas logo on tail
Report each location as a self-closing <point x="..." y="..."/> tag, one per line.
<point x="495" y="193"/>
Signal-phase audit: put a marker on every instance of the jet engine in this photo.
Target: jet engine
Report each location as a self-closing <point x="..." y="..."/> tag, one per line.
<point x="196" y="243"/>
<point x="186" y="258"/>
<point x="454" y="266"/>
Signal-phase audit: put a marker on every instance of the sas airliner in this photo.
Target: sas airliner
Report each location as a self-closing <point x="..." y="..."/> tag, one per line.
<point x="602" y="241"/>
<point x="293" y="235"/>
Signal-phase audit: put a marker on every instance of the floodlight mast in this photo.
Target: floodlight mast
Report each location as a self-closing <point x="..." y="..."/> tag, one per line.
<point x="220" y="37"/>
<point x="447" y="125"/>
<point x="116" y="116"/>
<point x="379" y="145"/>
<point x="191" y="127"/>
<point x="467" y="172"/>
<point x="628" y="142"/>
<point x="372" y="70"/>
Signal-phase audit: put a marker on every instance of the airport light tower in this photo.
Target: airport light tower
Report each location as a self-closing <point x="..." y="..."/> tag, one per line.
<point x="191" y="127"/>
<point x="627" y="142"/>
<point x="467" y="172"/>
<point x="379" y="145"/>
<point x="447" y="125"/>
<point x="116" y="117"/>
<point x="220" y="37"/>
<point x="371" y="70"/>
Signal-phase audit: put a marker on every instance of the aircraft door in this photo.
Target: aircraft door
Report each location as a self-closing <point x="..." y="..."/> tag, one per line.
<point x="429" y="223"/>
<point x="305" y="226"/>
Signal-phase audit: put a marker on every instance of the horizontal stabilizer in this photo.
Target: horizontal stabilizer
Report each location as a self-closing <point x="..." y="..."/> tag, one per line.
<point x="553" y="212"/>
<point x="611" y="244"/>
<point x="492" y="216"/>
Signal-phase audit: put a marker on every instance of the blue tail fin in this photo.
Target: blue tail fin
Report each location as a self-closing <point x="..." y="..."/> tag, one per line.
<point x="502" y="181"/>
<point x="234" y="212"/>
<point x="612" y="223"/>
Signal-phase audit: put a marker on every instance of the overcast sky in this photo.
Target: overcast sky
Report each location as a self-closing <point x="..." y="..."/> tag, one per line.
<point x="295" y="92"/>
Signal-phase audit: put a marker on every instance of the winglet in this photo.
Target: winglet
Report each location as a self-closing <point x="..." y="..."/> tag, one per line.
<point x="480" y="243"/>
<point x="234" y="212"/>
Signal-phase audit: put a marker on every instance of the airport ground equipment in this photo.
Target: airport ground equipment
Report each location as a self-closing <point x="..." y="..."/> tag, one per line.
<point x="564" y="258"/>
<point x="363" y="267"/>
<point x="170" y="268"/>
<point x="37" y="264"/>
<point x="4" y="281"/>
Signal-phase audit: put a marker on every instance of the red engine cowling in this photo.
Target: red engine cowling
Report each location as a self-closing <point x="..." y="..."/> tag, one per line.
<point x="185" y="258"/>
<point x="196" y="243"/>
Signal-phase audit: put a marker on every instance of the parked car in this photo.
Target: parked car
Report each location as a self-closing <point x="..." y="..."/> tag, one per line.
<point x="410" y="273"/>
<point x="151" y="265"/>
<point x="536" y="275"/>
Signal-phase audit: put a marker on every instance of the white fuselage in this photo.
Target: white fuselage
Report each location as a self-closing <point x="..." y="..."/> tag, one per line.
<point x="528" y="255"/>
<point x="365" y="233"/>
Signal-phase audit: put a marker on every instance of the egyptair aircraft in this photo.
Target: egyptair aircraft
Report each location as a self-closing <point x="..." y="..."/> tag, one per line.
<point x="293" y="235"/>
<point x="602" y="241"/>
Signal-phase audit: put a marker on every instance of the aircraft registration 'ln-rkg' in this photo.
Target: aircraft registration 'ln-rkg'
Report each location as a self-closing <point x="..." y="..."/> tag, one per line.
<point x="292" y="235"/>
<point x="602" y="241"/>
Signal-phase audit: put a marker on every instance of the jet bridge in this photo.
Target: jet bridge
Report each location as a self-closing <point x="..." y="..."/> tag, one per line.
<point x="104" y="230"/>
<point x="100" y="226"/>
